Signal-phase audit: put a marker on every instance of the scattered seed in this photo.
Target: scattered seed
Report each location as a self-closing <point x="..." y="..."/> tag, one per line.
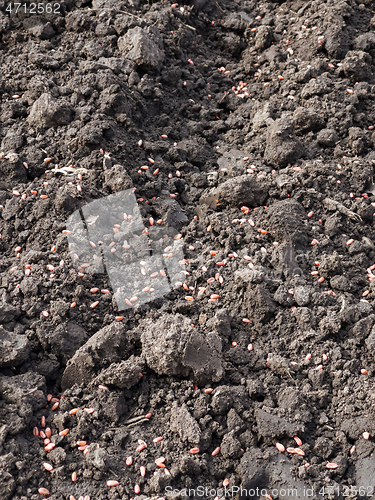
<point x="216" y="451"/>
<point x="50" y="447"/>
<point x="280" y="447"/>
<point x="245" y="320"/>
<point x="250" y="347"/>
<point x="48" y="467"/>
<point x="48" y="432"/>
<point x="64" y="432"/>
<point x="43" y="421"/>
<point x="74" y="476"/>
<point x="94" y="304"/>
<point x="55" y="406"/>
<point x="352" y="449"/>
<point x="366" y="435"/>
<point x="226" y="482"/>
<point x="364" y="372"/>
<point x="129" y="461"/>
<point x="158" y="439"/>
<point x="194" y="451"/>
<point x="73" y="411"/>
<point x="112" y="483"/>
<point x="35" y="431"/>
<point x="89" y="410"/>
<point x="43" y="491"/>
<point x="332" y="465"/>
<point x="81" y="443"/>
<point x="137" y="489"/>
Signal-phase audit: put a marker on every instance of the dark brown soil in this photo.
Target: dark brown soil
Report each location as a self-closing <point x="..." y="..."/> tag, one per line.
<point x="256" y="125"/>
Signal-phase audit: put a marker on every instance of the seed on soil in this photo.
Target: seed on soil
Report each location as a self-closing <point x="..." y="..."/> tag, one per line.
<point x="158" y="439"/>
<point x="43" y="491"/>
<point x="194" y="451"/>
<point x="48" y="467"/>
<point x="332" y="465"/>
<point x="129" y="461"/>
<point x="74" y="476"/>
<point x="280" y="447"/>
<point x="216" y="451"/>
<point x="112" y="483"/>
<point x="366" y="435"/>
<point x="137" y="489"/>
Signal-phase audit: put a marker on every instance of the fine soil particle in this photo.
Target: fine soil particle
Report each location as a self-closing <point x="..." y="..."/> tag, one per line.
<point x="244" y="132"/>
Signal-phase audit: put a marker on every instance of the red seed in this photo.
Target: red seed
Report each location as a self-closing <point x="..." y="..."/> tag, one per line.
<point x="352" y="449"/>
<point x="194" y="451"/>
<point x="364" y="372"/>
<point x="50" y="447"/>
<point x="245" y="320"/>
<point x="226" y="482"/>
<point x="46" y="441"/>
<point x="55" y="406"/>
<point x="43" y="491"/>
<point x="74" y="476"/>
<point x="216" y="451"/>
<point x="137" y="489"/>
<point x="129" y="461"/>
<point x="332" y="465"/>
<point x="64" y="432"/>
<point x="280" y="447"/>
<point x="297" y="440"/>
<point x="291" y="450"/>
<point x="142" y="471"/>
<point x="43" y="421"/>
<point x="35" y="431"/>
<point x="89" y="410"/>
<point x="73" y="411"/>
<point x="94" y="304"/>
<point x="48" y="467"/>
<point x="81" y="443"/>
<point x="158" y="439"/>
<point x="42" y="435"/>
<point x="208" y="391"/>
<point x="148" y="415"/>
<point x="48" y="432"/>
<point x="298" y="451"/>
<point x="366" y="435"/>
<point x="45" y="314"/>
<point x="112" y="483"/>
<point x="250" y="347"/>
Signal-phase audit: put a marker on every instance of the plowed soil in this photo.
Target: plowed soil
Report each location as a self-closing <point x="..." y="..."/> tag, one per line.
<point x="246" y="128"/>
